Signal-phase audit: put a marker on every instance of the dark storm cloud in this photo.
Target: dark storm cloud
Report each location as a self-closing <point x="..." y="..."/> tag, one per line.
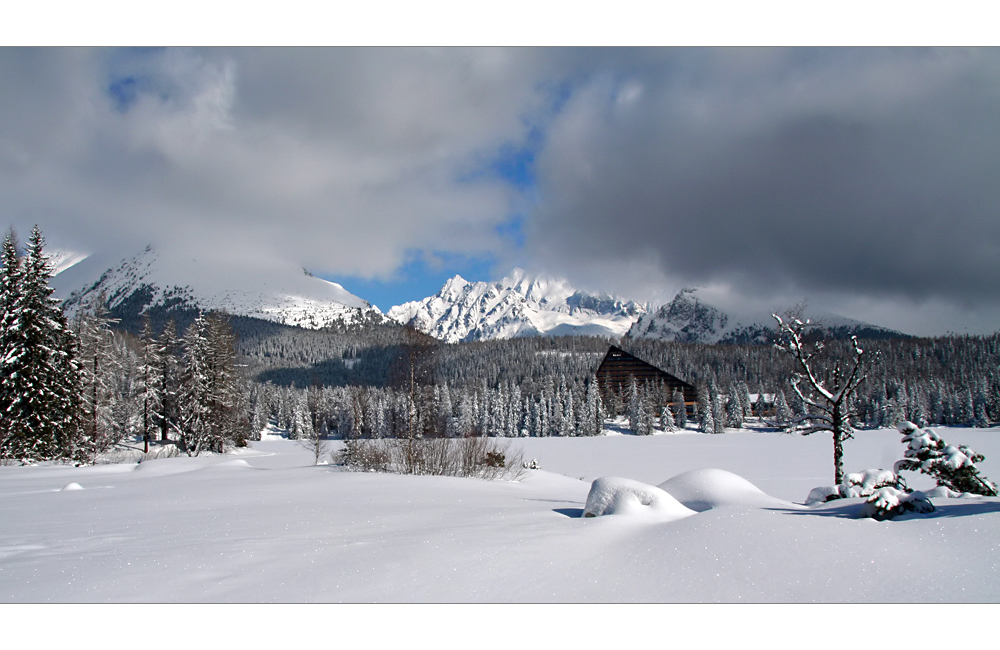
<point x="868" y="172"/>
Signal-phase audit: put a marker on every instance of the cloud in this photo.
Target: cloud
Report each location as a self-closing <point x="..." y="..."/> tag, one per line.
<point x="863" y="172"/>
<point x="343" y="159"/>
<point x="858" y="178"/>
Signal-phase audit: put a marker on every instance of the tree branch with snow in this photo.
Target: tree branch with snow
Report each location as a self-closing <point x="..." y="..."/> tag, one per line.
<point x="827" y="398"/>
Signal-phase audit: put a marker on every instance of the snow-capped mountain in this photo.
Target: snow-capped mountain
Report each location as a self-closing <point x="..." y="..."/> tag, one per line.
<point x="689" y="319"/>
<point x="270" y="290"/>
<point x="519" y="305"/>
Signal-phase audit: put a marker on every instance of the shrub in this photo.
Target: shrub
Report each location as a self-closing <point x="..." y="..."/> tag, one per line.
<point x="952" y="467"/>
<point x="887" y="494"/>
<point x="485" y="458"/>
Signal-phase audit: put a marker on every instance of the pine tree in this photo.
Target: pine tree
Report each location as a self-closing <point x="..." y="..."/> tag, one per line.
<point x="718" y="411"/>
<point x="952" y="467"/>
<point x="680" y="410"/>
<point x="169" y="379"/>
<point x="11" y="298"/>
<point x="782" y="412"/>
<point x="707" y="421"/>
<point x="39" y="377"/>
<point x="98" y="370"/>
<point x="194" y="389"/>
<point x="149" y="388"/>
<point x="734" y="411"/>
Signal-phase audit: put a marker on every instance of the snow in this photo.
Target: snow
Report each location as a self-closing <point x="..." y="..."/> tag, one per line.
<point x="704" y="489"/>
<point x="266" y="525"/>
<point x="271" y="290"/>
<point x="612" y="496"/>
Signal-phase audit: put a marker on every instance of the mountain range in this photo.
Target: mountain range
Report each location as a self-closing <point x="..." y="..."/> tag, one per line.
<point x="269" y="291"/>
<point x="521" y="304"/>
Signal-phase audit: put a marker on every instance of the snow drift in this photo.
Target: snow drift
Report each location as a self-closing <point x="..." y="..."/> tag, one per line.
<point x="614" y="496"/>
<point x="704" y="489"/>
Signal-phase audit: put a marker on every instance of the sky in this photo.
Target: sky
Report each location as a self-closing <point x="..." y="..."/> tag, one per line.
<point x="861" y="180"/>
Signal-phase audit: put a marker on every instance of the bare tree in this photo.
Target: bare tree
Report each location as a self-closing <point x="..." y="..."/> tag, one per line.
<point x="827" y="398"/>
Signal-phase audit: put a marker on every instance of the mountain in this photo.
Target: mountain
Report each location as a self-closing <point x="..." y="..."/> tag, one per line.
<point x="269" y="290"/>
<point x="689" y="319"/>
<point x="519" y="305"/>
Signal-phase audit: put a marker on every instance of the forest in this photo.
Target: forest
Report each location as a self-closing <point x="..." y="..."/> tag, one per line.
<point x="212" y="381"/>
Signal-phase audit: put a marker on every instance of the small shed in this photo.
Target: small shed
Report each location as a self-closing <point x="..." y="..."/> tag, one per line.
<point x="616" y="371"/>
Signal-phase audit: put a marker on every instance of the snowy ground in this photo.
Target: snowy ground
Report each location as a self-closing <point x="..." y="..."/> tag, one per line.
<point x="264" y="525"/>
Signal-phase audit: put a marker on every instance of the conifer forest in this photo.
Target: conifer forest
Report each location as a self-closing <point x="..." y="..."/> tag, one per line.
<point x="206" y="382"/>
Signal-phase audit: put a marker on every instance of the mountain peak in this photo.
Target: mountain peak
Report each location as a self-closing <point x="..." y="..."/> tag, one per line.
<point x="689" y="319"/>
<point x="275" y="291"/>
<point x="521" y="304"/>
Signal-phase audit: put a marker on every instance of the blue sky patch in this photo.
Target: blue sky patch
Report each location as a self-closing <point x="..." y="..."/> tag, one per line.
<point x="418" y="278"/>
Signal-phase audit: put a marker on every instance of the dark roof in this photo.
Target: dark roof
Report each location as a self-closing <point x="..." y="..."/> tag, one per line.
<point x="619" y="367"/>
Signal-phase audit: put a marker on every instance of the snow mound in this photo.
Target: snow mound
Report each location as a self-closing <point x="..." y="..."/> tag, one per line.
<point x="236" y="462"/>
<point x="615" y="496"/>
<point x="69" y="487"/>
<point x="704" y="489"/>
<point x="941" y="492"/>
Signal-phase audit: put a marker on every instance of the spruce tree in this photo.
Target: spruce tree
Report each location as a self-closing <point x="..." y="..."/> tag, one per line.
<point x="169" y="379"/>
<point x="150" y="386"/>
<point x="680" y="410"/>
<point x="39" y="378"/>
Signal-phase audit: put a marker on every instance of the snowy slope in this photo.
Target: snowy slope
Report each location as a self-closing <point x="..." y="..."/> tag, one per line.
<point x="265" y="525"/>
<point x="519" y="305"/>
<point x="688" y="318"/>
<point x="270" y="290"/>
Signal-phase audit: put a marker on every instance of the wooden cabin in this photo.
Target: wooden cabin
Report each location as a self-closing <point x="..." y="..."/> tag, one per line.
<point x="616" y="371"/>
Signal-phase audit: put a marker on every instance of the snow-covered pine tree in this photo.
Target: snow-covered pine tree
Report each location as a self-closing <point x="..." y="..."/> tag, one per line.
<point x="718" y="411"/>
<point x="168" y="370"/>
<point x="952" y="467"/>
<point x="782" y="412"/>
<point x="667" y="418"/>
<point x="743" y="392"/>
<point x="590" y="418"/>
<point x="39" y="377"/>
<point x="11" y="296"/>
<point x="680" y="410"/>
<point x="194" y="389"/>
<point x="706" y="423"/>
<point x="634" y="406"/>
<point x="734" y="411"/>
<point x="148" y="385"/>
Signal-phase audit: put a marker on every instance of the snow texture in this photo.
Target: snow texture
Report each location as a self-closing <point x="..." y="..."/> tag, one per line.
<point x="280" y="529"/>
<point x="613" y="496"/>
<point x="704" y="489"/>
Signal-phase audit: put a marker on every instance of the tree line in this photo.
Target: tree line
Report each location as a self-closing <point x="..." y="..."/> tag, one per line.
<point x="74" y="390"/>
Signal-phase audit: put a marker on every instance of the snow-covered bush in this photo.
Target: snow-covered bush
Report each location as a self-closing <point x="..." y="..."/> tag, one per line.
<point x="485" y="458"/>
<point x="887" y="495"/>
<point x="888" y="502"/>
<point x="856" y="484"/>
<point x="952" y="467"/>
<point x="611" y="496"/>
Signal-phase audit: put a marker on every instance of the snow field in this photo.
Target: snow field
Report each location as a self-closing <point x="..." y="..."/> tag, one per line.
<point x="264" y="525"/>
